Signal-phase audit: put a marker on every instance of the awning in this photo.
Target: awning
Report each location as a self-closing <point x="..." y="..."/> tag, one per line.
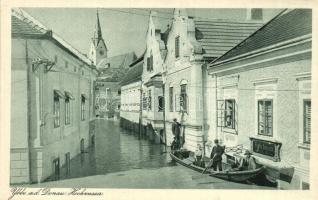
<point x="58" y="94"/>
<point x="69" y="95"/>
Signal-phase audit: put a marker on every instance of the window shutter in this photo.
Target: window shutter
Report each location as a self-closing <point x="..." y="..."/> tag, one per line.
<point x="307" y="122"/>
<point x="177" y="46"/>
<point x="151" y="62"/>
<point x="148" y="64"/>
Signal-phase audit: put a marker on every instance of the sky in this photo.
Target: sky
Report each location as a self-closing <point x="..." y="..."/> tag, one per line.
<point x="124" y="30"/>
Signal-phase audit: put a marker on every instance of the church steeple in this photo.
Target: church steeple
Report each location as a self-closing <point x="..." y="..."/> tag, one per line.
<point x="98" y="48"/>
<point x="98" y="31"/>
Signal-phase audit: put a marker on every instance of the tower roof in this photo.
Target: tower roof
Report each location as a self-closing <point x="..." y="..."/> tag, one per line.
<point x="98" y="31"/>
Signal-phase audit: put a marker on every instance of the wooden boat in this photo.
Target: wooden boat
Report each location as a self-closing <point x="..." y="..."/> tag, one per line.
<point x="188" y="162"/>
<point x="235" y="176"/>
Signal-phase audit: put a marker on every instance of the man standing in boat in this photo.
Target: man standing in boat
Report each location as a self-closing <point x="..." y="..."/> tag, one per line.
<point x="216" y="156"/>
<point x="176" y="132"/>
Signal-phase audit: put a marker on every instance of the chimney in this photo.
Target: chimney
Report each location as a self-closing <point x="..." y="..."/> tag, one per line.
<point x="254" y="14"/>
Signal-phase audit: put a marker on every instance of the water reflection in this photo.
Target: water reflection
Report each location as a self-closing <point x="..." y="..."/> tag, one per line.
<point x="115" y="150"/>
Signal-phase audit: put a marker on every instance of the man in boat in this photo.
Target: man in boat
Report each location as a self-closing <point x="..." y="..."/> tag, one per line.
<point x="176" y="132"/>
<point x="246" y="163"/>
<point x="216" y="156"/>
<point x="198" y="156"/>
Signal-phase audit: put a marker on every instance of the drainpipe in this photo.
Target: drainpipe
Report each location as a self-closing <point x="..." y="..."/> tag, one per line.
<point x="29" y="123"/>
<point x="203" y="67"/>
<point x="140" y="110"/>
<point x="216" y="105"/>
<point x="164" y="115"/>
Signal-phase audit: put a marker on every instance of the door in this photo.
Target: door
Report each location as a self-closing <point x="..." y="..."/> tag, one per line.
<point x="82" y="146"/>
<point x="56" y="169"/>
<point x="67" y="164"/>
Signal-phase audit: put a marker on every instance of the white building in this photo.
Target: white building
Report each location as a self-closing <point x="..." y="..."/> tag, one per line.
<point x="131" y="86"/>
<point x="192" y="43"/>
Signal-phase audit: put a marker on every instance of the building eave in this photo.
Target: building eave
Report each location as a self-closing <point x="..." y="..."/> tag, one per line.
<point x="280" y="46"/>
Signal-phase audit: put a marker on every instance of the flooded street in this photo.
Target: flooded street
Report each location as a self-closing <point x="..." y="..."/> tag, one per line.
<point x="121" y="159"/>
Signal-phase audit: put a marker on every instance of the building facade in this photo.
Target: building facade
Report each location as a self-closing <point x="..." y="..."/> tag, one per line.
<point x="51" y="102"/>
<point x="131" y="87"/>
<point x="111" y="70"/>
<point x="152" y="83"/>
<point x="192" y="43"/>
<point x="260" y="97"/>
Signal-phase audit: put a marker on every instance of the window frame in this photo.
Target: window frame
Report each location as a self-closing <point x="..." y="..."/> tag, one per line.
<point x="306" y="138"/>
<point x="149" y="100"/>
<point x="56" y="111"/>
<point x="67" y="110"/>
<point x="83" y="102"/>
<point x="177" y="46"/>
<point x="265" y="117"/>
<point x="171" y="102"/>
<point x="162" y="102"/>
<point x="233" y="119"/>
<point x="184" y="105"/>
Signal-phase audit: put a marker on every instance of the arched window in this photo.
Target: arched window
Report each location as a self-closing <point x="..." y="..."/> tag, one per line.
<point x="183" y="96"/>
<point x="150" y="62"/>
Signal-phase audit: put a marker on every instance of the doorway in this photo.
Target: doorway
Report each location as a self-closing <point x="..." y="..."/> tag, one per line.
<point x="82" y="146"/>
<point x="67" y="164"/>
<point x="56" y="169"/>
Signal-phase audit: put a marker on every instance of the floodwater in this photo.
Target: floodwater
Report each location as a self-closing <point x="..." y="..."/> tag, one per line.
<point x="121" y="159"/>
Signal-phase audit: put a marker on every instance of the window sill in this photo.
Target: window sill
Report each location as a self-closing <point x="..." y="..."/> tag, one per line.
<point x="265" y="138"/>
<point x="304" y="146"/>
<point x="230" y="130"/>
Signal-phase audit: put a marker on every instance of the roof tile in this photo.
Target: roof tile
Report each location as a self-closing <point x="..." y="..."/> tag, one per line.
<point x="290" y="25"/>
<point x="218" y="36"/>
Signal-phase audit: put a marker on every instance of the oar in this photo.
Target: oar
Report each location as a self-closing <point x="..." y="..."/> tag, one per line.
<point x="209" y="165"/>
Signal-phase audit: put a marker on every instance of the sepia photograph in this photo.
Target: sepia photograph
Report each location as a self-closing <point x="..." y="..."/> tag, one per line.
<point x="159" y="98"/>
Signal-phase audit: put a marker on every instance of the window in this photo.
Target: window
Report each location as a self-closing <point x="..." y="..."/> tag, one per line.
<point x="67" y="111"/>
<point x="150" y="62"/>
<point x="257" y="13"/>
<point x="68" y="163"/>
<point x="160" y="103"/>
<point x="305" y="186"/>
<point x="144" y="101"/>
<point x="229" y="114"/>
<point x="56" y="110"/>
<point x="307" y="121"/>
<point x="149" y="99"/>
<point x="265" y="117"/>
<point x="118" y="92"/>
<point x="183" y="98"/>
<point x="83" y="99"/>
<point x="171" y="99"/>
<point x="177" y="46"/>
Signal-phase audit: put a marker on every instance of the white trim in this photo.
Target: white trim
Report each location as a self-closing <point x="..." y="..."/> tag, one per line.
<point x="303" y="76"/>
<point x="261" y="61"/>
<point x="265" y="81"/>
<point x="274" y="47"/>
<point x="229" y="85"/>
<point x="270" y="95"/>
<point x="183" y="82"/>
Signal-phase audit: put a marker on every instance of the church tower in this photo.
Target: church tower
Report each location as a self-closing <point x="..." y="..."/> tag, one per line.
<point x="98" y="49"/>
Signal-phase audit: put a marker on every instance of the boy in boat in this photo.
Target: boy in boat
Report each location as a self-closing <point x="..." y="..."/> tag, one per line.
<point x="216" y="156"/>
<point x="198" y="156"/>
